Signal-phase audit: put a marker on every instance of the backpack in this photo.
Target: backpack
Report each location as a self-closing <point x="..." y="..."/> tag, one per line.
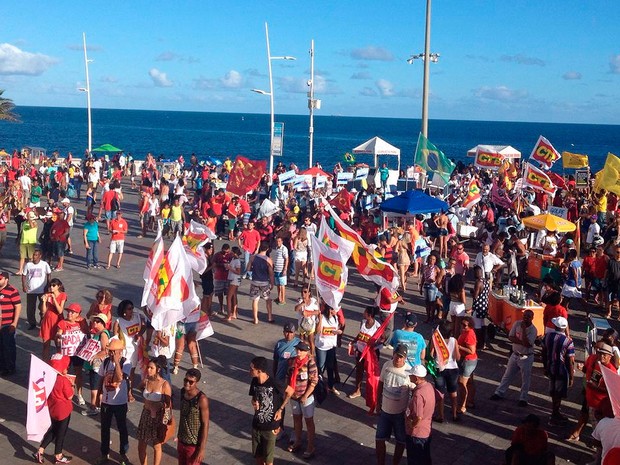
<point x="320" y="391"/>
<point x="115" y="204"/>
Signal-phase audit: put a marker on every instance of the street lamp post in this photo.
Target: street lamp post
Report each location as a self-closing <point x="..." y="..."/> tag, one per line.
<point x="87" y="91"/>
<point x="312" y="104"/>
<point x="270" y="94"/>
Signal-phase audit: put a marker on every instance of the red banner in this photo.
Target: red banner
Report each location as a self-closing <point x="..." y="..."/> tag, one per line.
<point x="538" y="179"/>
<point x="342" y="201"/>
<point x="545" y="153"/>
<point x="245" y="175"/>
<point x="473" y="195"/>
<point x="488" y="159"/>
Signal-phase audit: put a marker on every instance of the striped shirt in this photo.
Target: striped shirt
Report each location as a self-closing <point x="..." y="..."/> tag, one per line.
<point x="9" y="299"/>
<point x="279" y="257"/>
<point x="559" y="348"/>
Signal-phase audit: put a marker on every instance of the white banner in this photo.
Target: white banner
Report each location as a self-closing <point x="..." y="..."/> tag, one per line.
<point x="287" y="177"/>
<point x="70" y="341"/>
<point x="302" y="182"/>
<point x="89" y="350"/>
<point x="204" y="328"/>
<point x="361" y="173"/>
<point x="40" y="385"/>
<point x="321" y="181"/>
<point x="344" y="178"/>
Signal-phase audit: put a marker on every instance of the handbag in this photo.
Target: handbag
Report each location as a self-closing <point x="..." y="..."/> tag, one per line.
<point x="171" y="428"/>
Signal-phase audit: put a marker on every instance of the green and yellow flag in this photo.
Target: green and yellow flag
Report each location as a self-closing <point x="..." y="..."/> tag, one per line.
<point x="429" y="157"/>
<point x="574" y="160"/>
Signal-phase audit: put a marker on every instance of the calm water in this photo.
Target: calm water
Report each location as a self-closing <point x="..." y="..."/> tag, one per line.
<point x="171" y="133"/>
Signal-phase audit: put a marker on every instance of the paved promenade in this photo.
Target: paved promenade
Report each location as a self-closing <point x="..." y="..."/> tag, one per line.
<point x="345" y="433"/>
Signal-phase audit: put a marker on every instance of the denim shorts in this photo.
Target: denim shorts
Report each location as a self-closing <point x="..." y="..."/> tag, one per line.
<point x="279" y="278"/>
<point x="467" y="367"/>
<point x="307" y="409"/>
<point x="389" y="423"/>
<point x="447" y="380"/>
<point x="431" y="293"/>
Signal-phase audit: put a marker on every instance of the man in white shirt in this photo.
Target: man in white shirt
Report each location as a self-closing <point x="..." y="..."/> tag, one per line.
<point x="35" y="277"/>
<point x="490" y="263"/>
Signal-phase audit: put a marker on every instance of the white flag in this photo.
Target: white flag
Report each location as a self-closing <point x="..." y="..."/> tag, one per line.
<point x="196" y="236"/>
<point x="40" y="384"/>
<point x="151" y="270"/>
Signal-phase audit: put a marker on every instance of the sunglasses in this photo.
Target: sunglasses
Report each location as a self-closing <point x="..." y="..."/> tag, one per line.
<point x="189" y="381"/>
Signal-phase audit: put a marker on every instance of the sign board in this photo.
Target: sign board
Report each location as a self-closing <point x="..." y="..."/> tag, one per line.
<point x="302" y="182"/>
<point x="321" y="181"/>
<point x="89" y="350"/>
<point x="70" y="342"/>
<point x="344" y="178"/>
<point x="559" y="211"/>
<point x="581" y="178"/>
<point x="287" y="177"/>
<point x="278" y="139"/>
<point x="361" y="173"/>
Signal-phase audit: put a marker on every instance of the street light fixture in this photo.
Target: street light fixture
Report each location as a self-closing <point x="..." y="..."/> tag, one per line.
<point x="270" y="94"/>
<point x="87" y="91"/>
<point x="434" y="57"/>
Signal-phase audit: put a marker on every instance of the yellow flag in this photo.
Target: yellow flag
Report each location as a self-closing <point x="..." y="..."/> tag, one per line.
<point x="610" y="175"/>
<point x="574" y="160"/>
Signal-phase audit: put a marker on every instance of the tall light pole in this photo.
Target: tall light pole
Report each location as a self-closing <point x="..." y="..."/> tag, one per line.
<point x="87" y="90"/>
<point x="427" y="62"/>
<point x="312" y="104"/>
<point x="270" y="94"/>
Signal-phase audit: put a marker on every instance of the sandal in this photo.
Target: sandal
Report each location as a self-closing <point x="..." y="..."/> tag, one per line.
<point x="292" y="447"/>
<point x="38" y="457"/>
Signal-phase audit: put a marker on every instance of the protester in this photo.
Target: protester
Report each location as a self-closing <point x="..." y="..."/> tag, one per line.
<point x="193" y="421"/>
<point x="419" y="417"/>
<point x="358" y="346"/>
<point x="326" y="341"/>
<point x="267" y="402"/>
<point x="280" y="259"/>
<point x="70" y="334"/>
<point x="98" y="332"/>
<point x="308" y="310"/>
<point x="52" y="309"/>
<point x="407" y="335"/>
<point x="35" y="278"/>
<point x="283" y="351"/>
<point x="129" y="327"/>
<point x="529" y="444"/>
<point x="234" y="280"/>
<point x="446" y="381"/>
<point x="467" y="365"/>
<point x="431" y="274"/>
<point x="118" y="229"/>
<point x="91" y="242"/>
<point x="261" y="267"/>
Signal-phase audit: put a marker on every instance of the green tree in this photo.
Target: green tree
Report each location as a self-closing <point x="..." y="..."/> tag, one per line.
<point x="6" y="109"/>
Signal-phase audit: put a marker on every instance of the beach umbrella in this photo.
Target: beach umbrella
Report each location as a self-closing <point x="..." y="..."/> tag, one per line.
<point x="377" y="146"/>
<point x="107" y="148"/>
<point x="549" y="222"/>
<point x="412" y="203"/>
<point x="315" y="171"/>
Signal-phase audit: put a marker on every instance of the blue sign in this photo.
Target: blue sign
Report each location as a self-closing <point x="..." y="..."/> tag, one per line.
<point x="278" y="139"/>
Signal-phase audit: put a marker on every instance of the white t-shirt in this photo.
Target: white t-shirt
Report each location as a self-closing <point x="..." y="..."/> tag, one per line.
<point x="112" y="395"/>
<point x="36" y="276"/>
<point x="593" y="230"/>
<point x="608" y="432"/>
<point x="396" y="387"/>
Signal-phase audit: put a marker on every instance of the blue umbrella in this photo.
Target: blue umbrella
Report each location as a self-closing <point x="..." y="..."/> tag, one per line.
<point x="412" y="203"/>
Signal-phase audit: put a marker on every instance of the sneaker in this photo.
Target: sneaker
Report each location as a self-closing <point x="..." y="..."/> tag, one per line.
<point x="63" y="459"/>
<point x="91" y="412"/>
<point x="388" y="347"/>
<point x="496" y="397"/>
<point x="81" y="400"/>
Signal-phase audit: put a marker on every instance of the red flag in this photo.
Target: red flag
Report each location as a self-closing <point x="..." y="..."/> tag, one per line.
<point x="342" y="201"/>
<point x="544" y="153"/>
<point x="245" y="175"/>
<point x="488" y="159"/>
<point x="537" y="179"/>
<point x="473" y="195"/>
<point x="557" y="179"/>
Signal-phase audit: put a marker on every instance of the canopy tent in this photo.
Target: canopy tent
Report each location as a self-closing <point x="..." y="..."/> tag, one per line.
<point x="107" y="148"/>
<point x="412" y="203"/>
<point x="315" y="171"/>
<point x="506" y="150"/>
<point x="377" y="146"/>
<point x="549" y="222"/>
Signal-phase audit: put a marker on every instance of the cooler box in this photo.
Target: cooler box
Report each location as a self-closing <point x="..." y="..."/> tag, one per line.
<point x="513" y="313"/>
<point x="496" y="308"/>
<point x="534" y="266"/>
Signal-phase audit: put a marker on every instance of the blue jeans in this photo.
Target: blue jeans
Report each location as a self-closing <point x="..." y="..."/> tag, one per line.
<point x="245" y="273"/>
<point x="326" y="359"/>
<point x="419" y="451"/>
<point x="8" y="350"/>
<point x="92" y="257"/>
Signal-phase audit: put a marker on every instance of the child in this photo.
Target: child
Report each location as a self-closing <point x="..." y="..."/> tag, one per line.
<point x="165" y="216"/>
<point x="234" y="277"/>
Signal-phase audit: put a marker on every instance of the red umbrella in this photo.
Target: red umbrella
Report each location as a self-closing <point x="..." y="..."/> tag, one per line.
<point x="314" y="171"/>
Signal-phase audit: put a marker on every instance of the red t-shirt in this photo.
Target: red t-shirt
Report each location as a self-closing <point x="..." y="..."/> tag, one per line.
<point x="106" y="200"/>
<point x="594" y="374"/>
<point x="468" y="337"/>
<point x="600" y="266"/>
<point x="59" y="401"/>
<point x="551" y="311"/>
<point x="218" y="202"/>
<point x="245" y="206"/>
<point x="59" y="231"/>
<point x="220" y="259"/>
<point x="119" y="229"/>
<point x="250" y="239"/>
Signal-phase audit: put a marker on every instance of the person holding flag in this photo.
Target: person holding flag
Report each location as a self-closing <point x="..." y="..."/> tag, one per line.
<point x="444" y="349"/>
<point x="368" y="328"/>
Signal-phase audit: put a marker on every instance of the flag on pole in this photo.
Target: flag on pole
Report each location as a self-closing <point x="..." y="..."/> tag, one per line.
<point x="327" y="236"/>
<point x="545" y="153"/>
<point x="609" y="177"/>
<point x="442" y="354"/>
<point x="330" y="269"/>
<point x="245" y="175"/>
<point x="342" y="201"/>
<point x="612" y="383"/>
<point x="473" y="195"/>
<point x="537" y="179"/>
<point x="574" y="160"/>
<point x="487" y="158"/>
<point x="40" y="384"/>
<point x="196" y="236"/>
<point x="151" y="270"/>
<point x="175" y="296"/>
<point x="429" y="157"/>
<point x="370" y="266"/>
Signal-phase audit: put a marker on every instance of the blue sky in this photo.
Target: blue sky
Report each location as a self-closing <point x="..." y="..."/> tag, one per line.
<point x="556" y="61"/>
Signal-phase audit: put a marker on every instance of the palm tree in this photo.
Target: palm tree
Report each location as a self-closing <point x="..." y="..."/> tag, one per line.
<point x="6" y="109"/>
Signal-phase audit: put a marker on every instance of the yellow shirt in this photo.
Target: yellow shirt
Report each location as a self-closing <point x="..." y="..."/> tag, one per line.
<point x="165" y="213"/>
<point x="176" y="213"/>
<point x="601" y="205"/>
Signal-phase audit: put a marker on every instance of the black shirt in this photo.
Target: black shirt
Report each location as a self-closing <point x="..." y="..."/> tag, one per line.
<point x="269" y="400"/>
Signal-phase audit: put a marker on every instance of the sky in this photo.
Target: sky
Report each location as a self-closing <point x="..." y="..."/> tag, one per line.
<point x="551" y="61"/>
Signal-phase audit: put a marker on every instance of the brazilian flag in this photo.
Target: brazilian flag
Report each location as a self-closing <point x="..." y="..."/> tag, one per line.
<point x="349" y="157"/>
<point x="429" y="157"/>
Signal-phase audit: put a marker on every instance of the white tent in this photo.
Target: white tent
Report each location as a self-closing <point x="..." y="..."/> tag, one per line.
<point x="377" y="146"/>
<point x="506" y="150"/>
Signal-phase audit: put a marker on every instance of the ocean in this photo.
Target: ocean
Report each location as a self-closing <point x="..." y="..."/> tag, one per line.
<point x="170" y="133"/>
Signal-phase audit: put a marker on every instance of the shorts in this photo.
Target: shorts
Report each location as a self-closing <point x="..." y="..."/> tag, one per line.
<point x="571" y="292"/>
<point x="447" y="380"/>
<point x="117" y="246"/>
<point x="558" y="386"/>
<point x="58" y="248"/>
<point x="301" y="256"/>
<point x="220" y="286"/>
<point x="597" y="284"/>
<point x="443" y="232"/>
<point x="185" y="453"/>
<point x="109" y="214"/>
<point x="260" y="290"/>
<point x="431" y="293"/>
<point x="207" y="286"/>
<point x="263" y="444"/>
<point x="307" y="409"/>
<point x="26" y="250"/>
<point x="279" y="278"/>
<point x="236" y="281"/>
<point x="77" y="361"/>
<point x="191" y="327"/>
<point x="467" y="367"/>
<point x="389" y="423"/>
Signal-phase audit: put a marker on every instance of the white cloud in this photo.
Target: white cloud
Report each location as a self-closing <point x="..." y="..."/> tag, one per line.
<point x="372" y="53"/>
<point x="232" y="80"/>
<point x="386" y="88"/>
<point x="501" y="93"/>
<point x="16" y="61"/>
<point x="300" y="85"/>
<point x="614" y="64"/>
<point x="571" y="76"/>
<point x="160" y="79"/>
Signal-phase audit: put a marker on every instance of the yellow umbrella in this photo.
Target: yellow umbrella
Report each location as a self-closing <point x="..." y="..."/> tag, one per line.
<point x="549" y="222"/>
<point x="3" y="153"/>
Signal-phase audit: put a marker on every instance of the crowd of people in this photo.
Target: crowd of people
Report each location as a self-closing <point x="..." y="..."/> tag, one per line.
<point x="266" y="236"/>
